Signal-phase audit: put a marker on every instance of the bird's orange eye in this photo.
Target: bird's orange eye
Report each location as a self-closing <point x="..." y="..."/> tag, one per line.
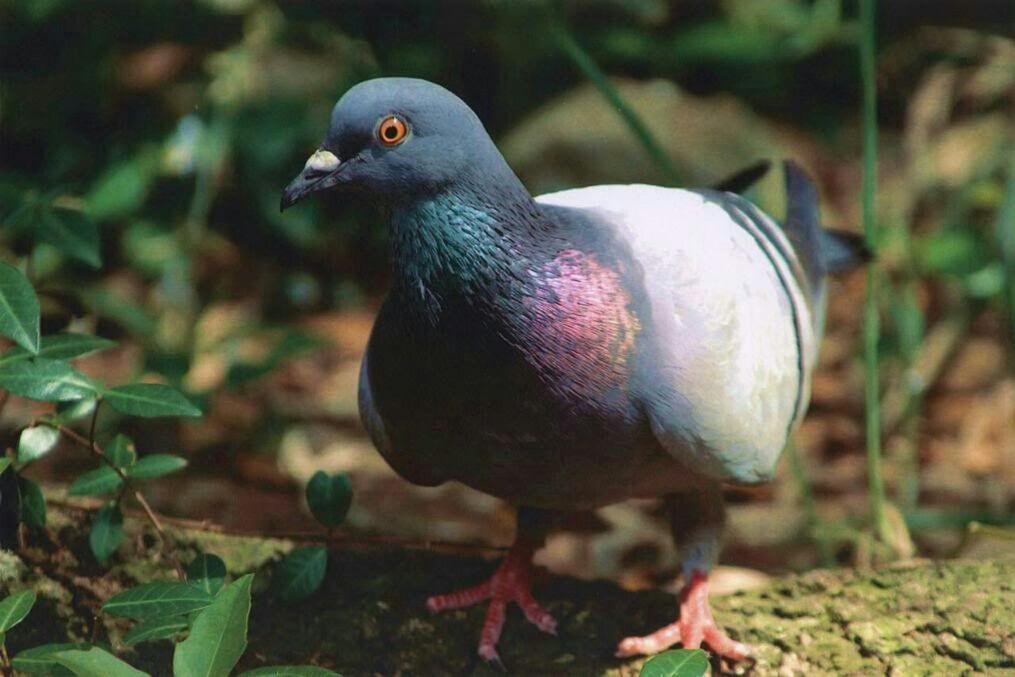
<point x="392" y="130"/>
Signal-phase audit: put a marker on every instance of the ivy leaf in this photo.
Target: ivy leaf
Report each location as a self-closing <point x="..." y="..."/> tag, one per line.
<point x="155" y="629"/>
<point x="107" y="531"/>
<point x="14" y="608"/>
<point x="63" y="346"/>
<point x="41" y="660"/>
<point x="156" y="465"/>
<point x="329" y="497"/>
<point x="95" y="662"/>
<point x="72" y="232"/>
<point x="45" y="380"/>
<point x="150" y="399"/>
<point x="158" y="599"/>
<point x="98" y="482"/>
<point x="19" y="308"/>
<point x="36" y="442"/>
<point x="676" y="663"/>
<point x="208" y="572"/>
<point x="218" y="635"/>
<point x="31" y="504"/>
<point x="121" y="452"/>
<point x="300" y="573"/>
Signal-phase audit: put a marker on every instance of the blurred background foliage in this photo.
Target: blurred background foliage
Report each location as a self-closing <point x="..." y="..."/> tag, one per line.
<point x="168" y="129"/>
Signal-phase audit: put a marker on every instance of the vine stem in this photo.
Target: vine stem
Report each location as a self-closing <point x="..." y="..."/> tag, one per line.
<point x="90" y="444"/>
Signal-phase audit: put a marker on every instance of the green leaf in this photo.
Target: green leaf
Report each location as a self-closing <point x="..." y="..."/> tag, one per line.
<point x="952" y="252"/>
<point x="132" y="316"/>
<point x="208" y="572"/>
<point x="300" y="573"/>
<point x="70" y="411"/>
<point x="95" y="662"/>
<point x="155" y="629"/>
<point x="986" y="282"/>
<point x="909" y="322"/>
<point x="150" y="399"/>
<point x="676" y="663"/>
<point x="63" y="346"/>
<point x="23" y="219"/>
<point x="123" y="187"/>
<point x="5" y="462"/>
<point x="218" y="635"/>
<point x="121" y="452"/>
<point x="156" y="465"/>
<point x="107" y="531"/>
<point x="31" y="504"/>
<point x="19" y="308"/>
<point x="98" y="482"/>
<point x="159" y="599"/>
<point x="290" y="671"/>
<point x="36" y="442"/>
<point x="293" y="342"/>
<point x="45" y="380"/>
<point x="329" y="497"/>
<point x="72" y="232"/>
<point x="41" y="660"/>
<point x="152" y="249"/>
<point x="14" y="608"/>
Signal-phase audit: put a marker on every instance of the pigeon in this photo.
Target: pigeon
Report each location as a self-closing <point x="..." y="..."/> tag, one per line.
<point x="580" y="348"/>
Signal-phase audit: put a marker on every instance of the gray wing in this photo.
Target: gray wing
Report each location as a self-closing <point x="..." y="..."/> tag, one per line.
<point x="724" y="364"/>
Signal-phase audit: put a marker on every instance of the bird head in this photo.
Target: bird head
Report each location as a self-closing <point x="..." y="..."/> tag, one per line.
<point x="396" y="138"/>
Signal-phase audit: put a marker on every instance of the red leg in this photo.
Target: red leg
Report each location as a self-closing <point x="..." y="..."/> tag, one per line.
<point x="694" y="627"/>
<point x="511" y="582"/>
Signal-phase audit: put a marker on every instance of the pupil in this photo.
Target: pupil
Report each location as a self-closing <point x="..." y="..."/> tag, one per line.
<point x="390" y="132"/>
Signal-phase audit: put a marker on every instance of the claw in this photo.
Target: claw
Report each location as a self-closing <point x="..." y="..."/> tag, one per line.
<point x="511" y="582"/>
<point x="694" y="628"/>
<point x="490" y="655"/>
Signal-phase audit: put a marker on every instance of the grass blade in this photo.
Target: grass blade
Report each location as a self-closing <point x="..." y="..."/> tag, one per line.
<point x="871" y="328"/>
<point x="585" y="63"/>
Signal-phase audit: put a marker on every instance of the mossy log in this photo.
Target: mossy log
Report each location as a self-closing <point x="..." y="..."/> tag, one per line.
<point x="948" y="618"/>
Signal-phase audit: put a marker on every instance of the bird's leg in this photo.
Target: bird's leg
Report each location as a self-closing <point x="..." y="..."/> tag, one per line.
<point x="697" y="521"/>
<point x="511" y="582"/>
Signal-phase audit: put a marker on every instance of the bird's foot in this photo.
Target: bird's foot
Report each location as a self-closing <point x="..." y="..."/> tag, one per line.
<point x="511" y="582"/>
<point x="694" y="627"/>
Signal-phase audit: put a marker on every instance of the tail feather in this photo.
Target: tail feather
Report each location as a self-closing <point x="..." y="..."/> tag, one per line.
<point x="803" y="222"/>
<point x="743" y="179"/>
<point x="819" y="250"/>
<point x="842" y="251"/>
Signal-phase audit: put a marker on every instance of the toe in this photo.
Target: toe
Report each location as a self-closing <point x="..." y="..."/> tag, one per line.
<point x="460" y="598"/>
<point x="721" y="644"/>
<point x="649" y="644"/>
<point x="535" y="613"/>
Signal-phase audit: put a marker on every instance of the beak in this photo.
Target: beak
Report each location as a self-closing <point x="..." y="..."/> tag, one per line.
<point x="320" y="172"/>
